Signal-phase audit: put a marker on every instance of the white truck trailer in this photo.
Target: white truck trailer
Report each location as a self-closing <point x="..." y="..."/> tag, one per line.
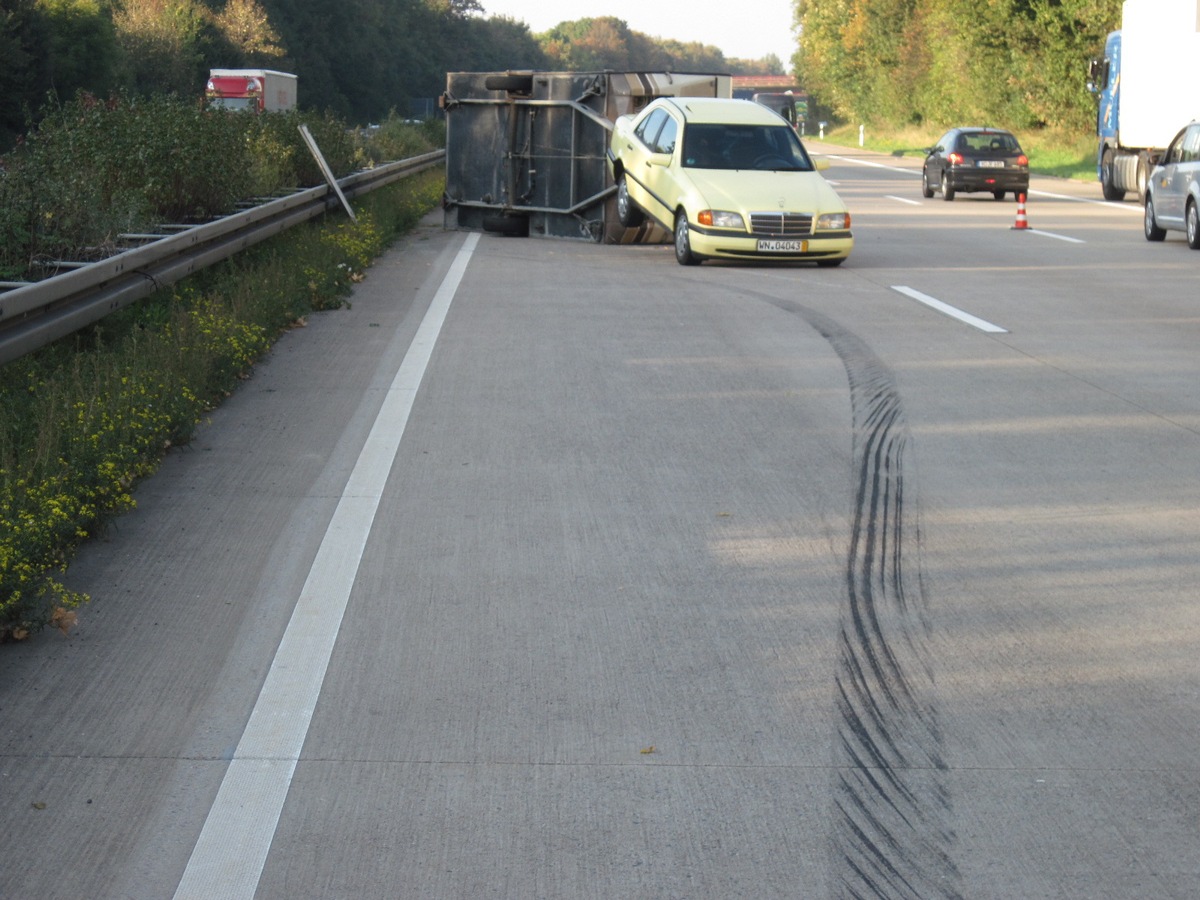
<point x="1144" y="82"/>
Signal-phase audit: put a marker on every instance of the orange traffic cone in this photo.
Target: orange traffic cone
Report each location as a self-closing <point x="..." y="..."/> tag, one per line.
<point x="1022" y="222"/>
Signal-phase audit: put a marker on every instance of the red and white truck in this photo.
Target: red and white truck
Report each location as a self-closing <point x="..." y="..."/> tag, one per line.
<point x="254" y="90"/>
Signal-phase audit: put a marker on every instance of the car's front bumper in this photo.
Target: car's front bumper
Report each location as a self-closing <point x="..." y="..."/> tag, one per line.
<point x="713" y="243"/>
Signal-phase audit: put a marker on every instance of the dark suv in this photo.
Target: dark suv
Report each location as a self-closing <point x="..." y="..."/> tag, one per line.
<point x="975" y="159"/>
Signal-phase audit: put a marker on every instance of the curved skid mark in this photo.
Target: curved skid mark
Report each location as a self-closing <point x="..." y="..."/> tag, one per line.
<point x="893" y="834"/>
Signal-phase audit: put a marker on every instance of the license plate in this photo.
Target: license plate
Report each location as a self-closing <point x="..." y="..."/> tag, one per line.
<point x="783" y="246"/>
<point x="991" y="164"/>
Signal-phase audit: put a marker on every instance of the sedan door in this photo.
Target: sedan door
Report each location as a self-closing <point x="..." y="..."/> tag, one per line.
<point x="634" y="149"/>
<point x="663" y="172"/>
<point x="1170" y="184"/>
<point x="935" y="161"/>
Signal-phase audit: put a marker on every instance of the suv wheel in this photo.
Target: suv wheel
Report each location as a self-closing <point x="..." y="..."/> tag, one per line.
<point x="1153" y="232"/>
<point x="1192" y="217"/>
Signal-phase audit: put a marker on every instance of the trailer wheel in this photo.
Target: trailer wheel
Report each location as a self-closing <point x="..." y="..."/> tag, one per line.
<point x="1110" y="190"/>
<point x="513" y="84"/>
<point x="511" y="225"/>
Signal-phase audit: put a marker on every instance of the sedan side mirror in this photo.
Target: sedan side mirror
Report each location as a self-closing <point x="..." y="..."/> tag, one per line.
<point x="820" y="164"/>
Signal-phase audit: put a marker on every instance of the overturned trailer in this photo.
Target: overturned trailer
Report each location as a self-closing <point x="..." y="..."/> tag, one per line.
<point x="526" y="151"/>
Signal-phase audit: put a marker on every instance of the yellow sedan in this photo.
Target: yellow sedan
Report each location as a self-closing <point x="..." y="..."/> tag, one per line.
<point x="730" y="179"/>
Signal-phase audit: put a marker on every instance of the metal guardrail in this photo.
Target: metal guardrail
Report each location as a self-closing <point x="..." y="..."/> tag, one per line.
<point x="37" y="314"/>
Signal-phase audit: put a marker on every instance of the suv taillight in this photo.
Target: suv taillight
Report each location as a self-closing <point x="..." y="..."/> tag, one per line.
<point x="1022" y="160"/>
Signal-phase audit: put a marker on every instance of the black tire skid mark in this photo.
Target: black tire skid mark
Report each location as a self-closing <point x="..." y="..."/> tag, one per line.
<point x="893" y="832"/>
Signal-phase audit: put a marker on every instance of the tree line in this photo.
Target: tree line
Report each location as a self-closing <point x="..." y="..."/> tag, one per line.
<point x="1011" y="63"/>
<point x="356" y="59"/>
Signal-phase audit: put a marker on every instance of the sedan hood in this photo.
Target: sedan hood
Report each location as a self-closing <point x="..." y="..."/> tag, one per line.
<point x="744" y="190"/>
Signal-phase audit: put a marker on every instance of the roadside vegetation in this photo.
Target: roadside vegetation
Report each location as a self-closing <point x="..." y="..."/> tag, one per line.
<point x="1015" y="64"/>
<point x="83" y="420"/>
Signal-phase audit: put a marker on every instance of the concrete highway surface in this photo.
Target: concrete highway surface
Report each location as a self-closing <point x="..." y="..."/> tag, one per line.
<point x="552" y="569"/>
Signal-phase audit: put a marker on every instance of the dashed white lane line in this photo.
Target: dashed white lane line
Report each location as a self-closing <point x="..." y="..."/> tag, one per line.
<point x="949" y="310"/>
<point x="1057" y="237"/>
<point x="228" y="859"/>
<point x="907" y="200"/>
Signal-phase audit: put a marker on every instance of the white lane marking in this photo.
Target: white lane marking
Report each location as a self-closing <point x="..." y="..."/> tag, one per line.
<point x="1057" y="237"/>
<point x="949" y="310"/>
<point x="871" y="163"/>
<point x="228" y="859"/>
<point x="902" y="199"/>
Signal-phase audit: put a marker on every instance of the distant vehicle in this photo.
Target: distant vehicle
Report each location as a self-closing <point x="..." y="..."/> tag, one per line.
<point x="730" y="179"/>
<point x="793" y="107"/>
<point x="1143" y="82"/>
<point x="252" y="90"/>
<point x="1173" y="190"/>
<point x="975" y="159"/>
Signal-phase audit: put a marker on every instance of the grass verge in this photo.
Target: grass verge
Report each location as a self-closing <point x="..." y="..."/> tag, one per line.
<point x="84" y="419"/>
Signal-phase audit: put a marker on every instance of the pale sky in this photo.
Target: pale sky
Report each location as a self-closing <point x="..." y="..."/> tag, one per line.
<point x="742" y="29"/>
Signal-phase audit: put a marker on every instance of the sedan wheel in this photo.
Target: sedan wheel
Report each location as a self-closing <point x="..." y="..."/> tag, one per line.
<point x="926" y="190"/>
<point x="1193" y="225"/>
<point x="1153" y="232"/>
<point x="627" y="214"/>
<point x="947" y="191"/>
<point x="683" y="243"/>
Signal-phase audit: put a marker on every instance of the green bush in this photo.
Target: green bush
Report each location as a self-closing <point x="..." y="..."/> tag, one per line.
<point x="93" y="170"/>
<point x="82" y="420"/>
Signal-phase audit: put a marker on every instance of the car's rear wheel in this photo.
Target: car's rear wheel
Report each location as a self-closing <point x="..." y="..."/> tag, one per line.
<point x="1150" y="225"/>
<point x="926" y="189"/>
<point x="947" y="191"/>
<point x="683" y="241"/>
<point x="1192" y="219"/>
<point x="627" y="214"/>
<point x="999" y="195"/>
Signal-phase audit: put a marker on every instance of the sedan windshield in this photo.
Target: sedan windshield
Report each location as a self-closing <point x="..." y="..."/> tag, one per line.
<point x="763" y="147"/>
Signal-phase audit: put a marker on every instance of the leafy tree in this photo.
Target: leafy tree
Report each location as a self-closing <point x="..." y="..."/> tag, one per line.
<point x="245" y="27"/>
<point x="163" y="44"/>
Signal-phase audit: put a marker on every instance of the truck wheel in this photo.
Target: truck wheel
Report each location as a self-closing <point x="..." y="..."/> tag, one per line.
<point x="1192" y="217"/>
<point x="1150" y="224"/>
<point x="1111" y="191"/>
<point x="1143" y="176"/>
<point x="627" y="214"/>
<point x="513" y="84"/>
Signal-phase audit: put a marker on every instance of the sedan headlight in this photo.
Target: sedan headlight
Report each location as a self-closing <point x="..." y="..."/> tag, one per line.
<point x="719" y="218"/>
<point x="833" y="221"/>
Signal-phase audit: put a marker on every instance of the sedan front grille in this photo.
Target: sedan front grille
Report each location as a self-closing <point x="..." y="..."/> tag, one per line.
<point x="783" y="224"/>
